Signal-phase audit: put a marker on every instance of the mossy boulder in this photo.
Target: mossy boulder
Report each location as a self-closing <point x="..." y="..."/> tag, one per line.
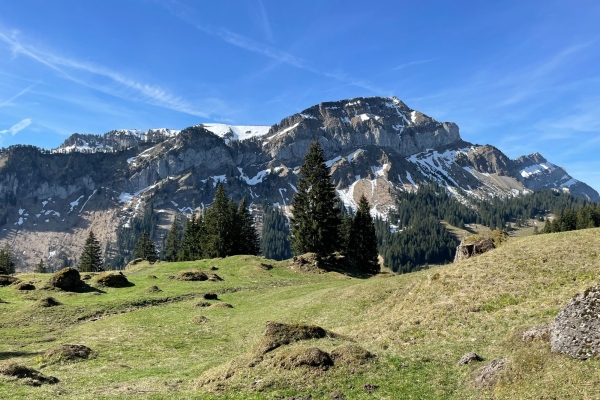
<point x="192" y="275"/>
<point x="67" y="279"/>
<point x="278" y="334"/>
<point x="27" y="375"/>
<point x="113" y="280"/>
<point x="6" y="280"/>
<point x="46" y="302"/>
<point x="25" y="286"/>
<point x="68" y="352"/>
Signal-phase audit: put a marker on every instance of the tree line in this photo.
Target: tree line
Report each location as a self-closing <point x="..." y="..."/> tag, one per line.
<point x="571" y="219"/>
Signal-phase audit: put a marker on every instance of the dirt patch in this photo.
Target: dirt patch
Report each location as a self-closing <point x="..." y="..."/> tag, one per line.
<point x="153" y="289"/>
<point x="67" y="279"/>
<point x="200" y="319"/>
<point x="192" y="275"/>
<point x="24" y="286"/>
<point x="6" y="280"/>
<point x="46" y="302"/>
<point x="28" y="376"/>
<point x="278" y="334"/>
<point x="351" y="354"/>
<point x="68" y="352"/>
<point x="303" y="357"/>
<point x="221" y="305"/>
<point x="113" y="280"/>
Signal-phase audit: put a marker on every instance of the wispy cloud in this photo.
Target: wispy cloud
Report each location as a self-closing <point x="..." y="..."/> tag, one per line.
<point x="184" y="13"/>
<point x="16" y="96"/>
<point x="16" y="128"/>
<point x="121" y="86"/>
<point x="264" y="20"/>
<point x="411" y="63"/>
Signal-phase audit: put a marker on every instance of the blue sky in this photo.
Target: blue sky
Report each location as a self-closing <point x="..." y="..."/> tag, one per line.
<point x="521" y="75"/>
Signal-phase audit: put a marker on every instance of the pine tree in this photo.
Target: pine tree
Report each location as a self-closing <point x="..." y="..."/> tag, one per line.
<point x="315" y="223"/>
<point x="7" y="265"/>
<point x="173" y="242"/>
<point x="217" y="237"/>
<point x="246" y="241"/>
<point x="91" y="257"/>
<point x="40" y="268"/>
<point x="362" y="241"/>
<point x="275" y="233"/>
<point x="345" y="228"/>
<point x="145" y="249"/>
<point x="191" y="246"/>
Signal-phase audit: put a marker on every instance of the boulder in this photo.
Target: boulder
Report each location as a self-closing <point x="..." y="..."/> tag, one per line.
<point x="468" y="250"/>
<point x="469" y="358"/>
<point x="210" y="296"/>
<point x="488" y="374"/>
<point x="539" y="332"/>
<point x="24" y="286"/>
<point x="6" y="280"/>
<point x="576" y="328"/>
<point x="66" y="279"/>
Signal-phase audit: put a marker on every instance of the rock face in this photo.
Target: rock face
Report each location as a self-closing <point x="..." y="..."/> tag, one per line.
<point x="464" y="251"/>
<point x="576" y="329"/>
<point x="374" y="146"/>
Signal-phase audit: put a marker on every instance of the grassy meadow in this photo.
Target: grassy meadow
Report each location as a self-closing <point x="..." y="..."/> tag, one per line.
<point x="150" y="345"/>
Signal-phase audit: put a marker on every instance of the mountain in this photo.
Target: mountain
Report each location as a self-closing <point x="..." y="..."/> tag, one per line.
<point x="375" y="146"/>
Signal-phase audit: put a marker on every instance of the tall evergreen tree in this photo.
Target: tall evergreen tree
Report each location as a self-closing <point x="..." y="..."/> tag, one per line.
<point x="173" y="242"/>
<point x="345" y="228"/>
<point x="275" y="233"/>
<point x="145" y="249"/>
<point x="7" y="265"/>
<point x="315" y="223"/>
<point x="91" y="257"/>
<point x="246" y="241"/>
<point x="40" y="268"/>
<point x="191" y="246"/>
<point x="218" y="221"/>
<point x="362" y="241"/>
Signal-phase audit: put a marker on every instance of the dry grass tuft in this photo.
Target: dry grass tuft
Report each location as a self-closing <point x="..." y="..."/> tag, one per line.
<point x="28" y="376"/>
<point x="278" y="334"/>
<point x="46" y="302"/>
<point x="191" y="275"/>
<point x="113" y="280"/>
<point x="68" y="352"/>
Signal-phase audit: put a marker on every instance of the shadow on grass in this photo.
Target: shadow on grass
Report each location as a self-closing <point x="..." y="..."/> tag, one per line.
<point x="6" y="355"/>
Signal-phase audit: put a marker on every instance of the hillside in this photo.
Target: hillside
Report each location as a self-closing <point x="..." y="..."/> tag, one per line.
<point x="418" y="325"/>
<point x="375" y="146"/>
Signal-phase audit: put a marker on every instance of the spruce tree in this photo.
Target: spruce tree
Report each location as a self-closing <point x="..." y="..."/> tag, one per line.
<point x="218" y="221"/>
<point x="191" y="248"/>
<point x="362" y="242"/>
<point x="275" y="233"/>
<point x="40" y="268"/>
<point x="246" y="241"/>
<point x="145" y="249"/>
<point x="345" y="228"/>
<point x="91" y="257"/>
<point x="173" y="242"/>
<point x="7" y="265"/>
<point x="315" y="223"/>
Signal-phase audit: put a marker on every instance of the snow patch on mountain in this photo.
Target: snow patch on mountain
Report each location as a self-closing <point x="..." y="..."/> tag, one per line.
<point x="537" y="169"/>
<point x="237" y="132"/>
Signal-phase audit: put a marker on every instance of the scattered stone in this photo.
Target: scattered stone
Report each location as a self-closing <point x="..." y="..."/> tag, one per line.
<point x="540" y="332"/>
<point x="464" y="250"/>
<point x="66" y="279"/>
<point x="469" y="358"/>
<point x="151" y="277"/>
<point x="153" y="289"/>
<point x="278" y="334"/>
<point x="337" y="396"/>
<point x="369" y="388"/>
<point x="24" y="286"/>
<point x="113" y="280"/>
<point x="204" y="304"/>
<point x="210" y="296"/>
<point x="305" y="357"/>
<point x="488" y="374"/>
<point x="46" y="302"/>
<point x="221" y="305"/>
<point x="351" y="353"/>
<point x="191" y="275"/>
<point x="68" y="352"/>
<point x="29" y="375"/>
<point x="6" y="280"/>
<point x="576" y="328"/>
<point x="200" y="319"/>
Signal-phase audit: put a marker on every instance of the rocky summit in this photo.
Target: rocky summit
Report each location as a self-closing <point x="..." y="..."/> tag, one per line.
<point x="374" y="146"/>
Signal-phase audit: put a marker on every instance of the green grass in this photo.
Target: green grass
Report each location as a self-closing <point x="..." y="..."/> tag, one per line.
<point x="418" y="325"/>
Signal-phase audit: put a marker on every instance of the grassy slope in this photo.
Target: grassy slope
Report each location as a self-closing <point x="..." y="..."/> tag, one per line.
<point x="418" y="324"/>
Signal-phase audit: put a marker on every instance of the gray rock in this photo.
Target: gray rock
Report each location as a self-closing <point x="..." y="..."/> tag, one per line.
<point x="540" y="332"/>
<point x="488" y="374"/>
<point x="576" y="329"/>
<point x="469" y="358"/>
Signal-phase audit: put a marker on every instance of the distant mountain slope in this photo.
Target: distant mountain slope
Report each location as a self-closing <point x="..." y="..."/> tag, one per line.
<point x="375" y="146"/>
